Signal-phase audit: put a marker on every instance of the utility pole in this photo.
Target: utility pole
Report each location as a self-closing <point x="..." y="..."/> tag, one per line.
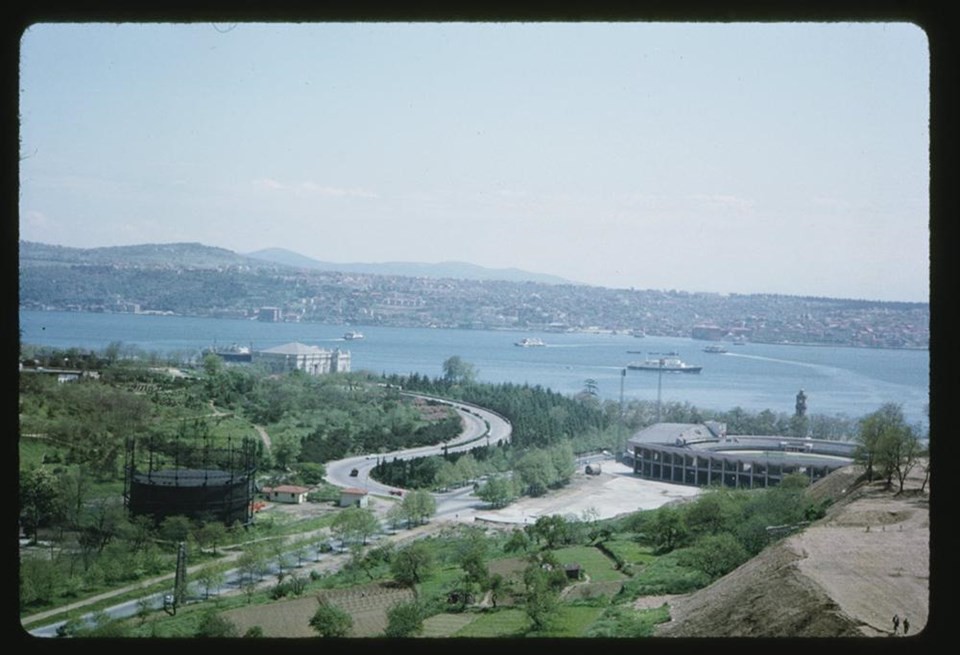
<point x="179" y="595"/>
<point x="659" y="387"/>
<point x="623" y="376"/>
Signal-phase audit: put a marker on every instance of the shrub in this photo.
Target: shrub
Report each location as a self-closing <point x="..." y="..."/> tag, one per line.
<point x="715" y="555"/>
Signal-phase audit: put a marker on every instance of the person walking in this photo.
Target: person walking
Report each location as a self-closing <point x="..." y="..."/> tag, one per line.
<point x="896" y="623"/>
<point x="906" y="625"/>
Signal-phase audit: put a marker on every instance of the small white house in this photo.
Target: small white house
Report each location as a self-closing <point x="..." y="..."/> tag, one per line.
<point x="353" y="496"/>
<point x="286" y="493"/>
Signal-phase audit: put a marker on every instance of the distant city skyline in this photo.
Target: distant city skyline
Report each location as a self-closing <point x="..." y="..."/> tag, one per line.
<point x="786" y="158"/>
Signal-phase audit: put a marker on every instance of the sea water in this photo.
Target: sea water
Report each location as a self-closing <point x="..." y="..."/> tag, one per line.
<point x="838" y="381"/>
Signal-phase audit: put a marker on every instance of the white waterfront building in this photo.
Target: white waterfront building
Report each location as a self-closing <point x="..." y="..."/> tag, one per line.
<point x="309" y="359"/>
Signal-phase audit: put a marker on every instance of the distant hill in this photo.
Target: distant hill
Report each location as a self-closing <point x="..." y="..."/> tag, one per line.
<point x="150" y="255"/>
<point x="452" y="270"/>
<point x="197" y="255"/>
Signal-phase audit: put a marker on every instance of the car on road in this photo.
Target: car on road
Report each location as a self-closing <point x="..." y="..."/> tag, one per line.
<point x="354" y="473"/>
<point x="396" y="492"/>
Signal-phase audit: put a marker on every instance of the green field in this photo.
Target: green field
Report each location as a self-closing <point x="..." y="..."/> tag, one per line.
<point x="630" y="551"/>
<point x="502" y="623"/>
<point x="447" y="625"/>
<point x="573" y="621"/>
<point x="595" y="564"/>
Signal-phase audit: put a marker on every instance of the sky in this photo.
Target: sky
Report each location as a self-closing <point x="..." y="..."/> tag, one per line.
<point x="787" y="158"/>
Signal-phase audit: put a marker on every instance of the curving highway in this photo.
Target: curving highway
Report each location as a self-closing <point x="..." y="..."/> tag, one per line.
<point x="481" y="427"/>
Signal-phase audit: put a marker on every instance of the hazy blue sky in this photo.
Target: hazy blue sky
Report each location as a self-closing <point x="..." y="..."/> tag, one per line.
<point x="750" y="158"/>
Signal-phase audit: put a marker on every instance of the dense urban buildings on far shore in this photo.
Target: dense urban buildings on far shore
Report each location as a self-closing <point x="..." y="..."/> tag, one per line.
<point x="335" y="298"/>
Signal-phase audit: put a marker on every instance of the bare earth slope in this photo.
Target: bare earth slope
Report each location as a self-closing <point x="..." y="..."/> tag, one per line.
<point x="844" y="576"/>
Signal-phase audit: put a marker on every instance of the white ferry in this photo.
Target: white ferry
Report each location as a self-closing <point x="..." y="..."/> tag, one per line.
<point x="667" y="364"/>
<point x="530" y="342"/>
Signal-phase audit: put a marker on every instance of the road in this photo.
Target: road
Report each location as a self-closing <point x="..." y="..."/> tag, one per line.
<point x="481" y="427"/>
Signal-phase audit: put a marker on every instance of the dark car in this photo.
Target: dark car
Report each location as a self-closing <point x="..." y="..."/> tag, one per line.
<point x="396" y="492"/>
<point x="354" y="473"/>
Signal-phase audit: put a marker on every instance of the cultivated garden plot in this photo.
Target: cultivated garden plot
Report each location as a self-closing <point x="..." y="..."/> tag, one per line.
<point x="367" y="605"/>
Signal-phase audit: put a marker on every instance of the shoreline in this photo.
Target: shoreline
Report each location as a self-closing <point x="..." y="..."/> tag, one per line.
<point x="534" y="329"/>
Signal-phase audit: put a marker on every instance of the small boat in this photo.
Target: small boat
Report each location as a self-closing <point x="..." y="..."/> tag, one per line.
<point x="353" y="336"/>
<point x="530" y="342"/>
<point x="714" y="349"/>
<point x="666" y="364"/>
<point x="232" y="353"/>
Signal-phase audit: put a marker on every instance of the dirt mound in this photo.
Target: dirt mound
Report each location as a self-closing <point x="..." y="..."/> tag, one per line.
<point x="844" y="576"/>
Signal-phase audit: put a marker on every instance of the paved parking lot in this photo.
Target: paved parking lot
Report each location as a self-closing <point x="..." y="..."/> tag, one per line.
<point x="614" y="492"/>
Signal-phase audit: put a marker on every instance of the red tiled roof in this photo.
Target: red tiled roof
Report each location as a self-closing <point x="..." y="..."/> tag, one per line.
<point x="290" y="489"/>
<point x="354" y="491"/>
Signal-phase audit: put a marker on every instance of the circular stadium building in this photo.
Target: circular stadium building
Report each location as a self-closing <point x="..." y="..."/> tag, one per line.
<point x="703" y="454"/>
<point x="166" y="477"/>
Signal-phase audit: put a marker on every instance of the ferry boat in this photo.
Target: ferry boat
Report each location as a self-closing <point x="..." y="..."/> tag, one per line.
<point x="666" y="364"/>
<point x="715" y="349"/>
<point x="353" y="336"/>
<point x="232" y="353"/>
<point x="530" y="342"/>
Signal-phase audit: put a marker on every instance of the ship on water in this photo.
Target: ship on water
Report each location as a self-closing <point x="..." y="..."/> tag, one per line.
<point x="232" y="353"/>
<point x="530" y="342"/>
<point x="665" y="364"/>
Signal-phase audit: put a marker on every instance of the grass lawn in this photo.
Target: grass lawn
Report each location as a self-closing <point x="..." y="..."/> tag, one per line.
<point x="447" y="625"/>
<point x="573" y="621"/>
<point x="630" y="551"/>
<point x="32" y="451"/>
<point x="502" y="623"/>
<point x="597" y="565"/>
<point x="439" y="581"/>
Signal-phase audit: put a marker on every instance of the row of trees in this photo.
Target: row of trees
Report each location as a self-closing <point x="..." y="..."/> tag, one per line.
<point x="888" y="447"/>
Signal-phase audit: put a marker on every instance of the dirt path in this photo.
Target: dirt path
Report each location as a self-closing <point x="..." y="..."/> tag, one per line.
<point x="263" y="436"/>
<point x="845" y="575"/>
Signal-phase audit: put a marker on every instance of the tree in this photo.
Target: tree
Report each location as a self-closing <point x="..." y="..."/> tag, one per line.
<point x="714" y="554"/>
<point x="396" y="515"/>
<point x="330" y="620"/>
<point x="103" y="520"/>
<point x="210" y="578"/>
<point x="285" y="450"/>
<point x="38" y="499"/>
<point x="496" y="585"/>
<point x="497" y="491"/>
<point x="354" y="524"/>
<point x="540" y="599"/>
<point x="668" y="529"/>
<point x="903" y="451"/>
<point x="886" y="445"/>
<point x="75" y="485"/>
<point x="175" y="528"/>
<point x="457" y="371"/>
<point x="418" y="506"/>
<point x="712" y="512"/>
<point x="412" y="564"/>
<point x="553" y="529"/>
<point x="564" y="463"/>
<point x="404" y="619"/>
<point x="519" y="541"/>
<point x="212" y="533"/>
<point x="535" y="471"/>
<point x="212" y="625"/>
